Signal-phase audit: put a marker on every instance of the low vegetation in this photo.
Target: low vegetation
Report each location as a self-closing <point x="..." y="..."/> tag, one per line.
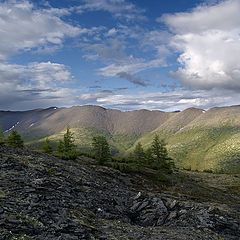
<point x="155" y="157"/>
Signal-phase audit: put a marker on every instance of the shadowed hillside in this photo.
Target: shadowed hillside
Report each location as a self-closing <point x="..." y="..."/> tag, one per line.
<point x="121" y="128"/>
<point x="197" y="139"/>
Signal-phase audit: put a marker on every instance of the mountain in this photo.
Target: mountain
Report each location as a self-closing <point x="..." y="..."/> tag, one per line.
<point x="43" y="197"/>
<point x="121" y="128"/>
<point x="197" y="139"/>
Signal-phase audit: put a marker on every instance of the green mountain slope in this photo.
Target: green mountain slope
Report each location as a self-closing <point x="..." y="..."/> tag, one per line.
<point x="197" y="139"/>
<point x="122" y="129"/>
<point x="210" y="141"/>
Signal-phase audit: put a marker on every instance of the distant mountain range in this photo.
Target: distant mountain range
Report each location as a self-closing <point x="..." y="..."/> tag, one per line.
<point x="197" y="139"/>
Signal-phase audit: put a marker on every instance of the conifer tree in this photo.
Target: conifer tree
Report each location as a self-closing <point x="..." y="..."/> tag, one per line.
<point x="139" y="154"/>
<point x="66" y="147"/>
<point x="149" y="156"/>
<point x="68" y="140"/>
<point x="160" y="154"/>
<point x="101" y="148"/>
<point x="60" y="147"/>
<point x="47" y="148"/>
<point x="15" y="139"/>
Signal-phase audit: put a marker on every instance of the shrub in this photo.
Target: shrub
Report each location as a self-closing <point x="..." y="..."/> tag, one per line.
<point x="122" y="167"/>
<point x="69" y="155"/>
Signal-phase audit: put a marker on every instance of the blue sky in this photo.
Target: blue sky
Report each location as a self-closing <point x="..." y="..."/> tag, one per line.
<point x="123" y="54"/>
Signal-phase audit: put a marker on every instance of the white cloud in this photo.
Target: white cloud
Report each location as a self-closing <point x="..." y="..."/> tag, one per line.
<point x="167" y="101"/>
<point x="111" y="32"/>
<point x="23" y="27"/>
<point x="208" y="40"/>
<point x="34" y="85"/>
<point x="118" y="8"/>
<point x="131" y="66"/>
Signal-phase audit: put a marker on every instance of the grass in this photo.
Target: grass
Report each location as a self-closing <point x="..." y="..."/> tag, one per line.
<point x="202" y="148"/>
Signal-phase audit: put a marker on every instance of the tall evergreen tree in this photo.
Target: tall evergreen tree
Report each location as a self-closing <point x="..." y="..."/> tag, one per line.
<point x="101" y="148"/>
<point x="149" y="156"/>
<point x="15" y="139"/>
<point x="159" y="151"/>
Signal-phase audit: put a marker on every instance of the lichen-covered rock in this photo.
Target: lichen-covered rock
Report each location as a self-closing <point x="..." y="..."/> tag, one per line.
<point x="42" y="197"/>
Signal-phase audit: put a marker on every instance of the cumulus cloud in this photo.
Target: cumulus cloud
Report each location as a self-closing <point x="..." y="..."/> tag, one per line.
<point x="24" y="27"/>
<point x="118" y="8"/>
<point x="36" y="84"/>
<point x="208" y="40"/>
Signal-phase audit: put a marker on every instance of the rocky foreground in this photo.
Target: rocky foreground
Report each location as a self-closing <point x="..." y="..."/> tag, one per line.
<point x="42" y="197"/>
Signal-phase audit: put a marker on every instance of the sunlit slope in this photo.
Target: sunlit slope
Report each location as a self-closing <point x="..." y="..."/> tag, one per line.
<point x="202" y="140"/>
<point x="122" y="129"/>
<point x="197" y="139"/>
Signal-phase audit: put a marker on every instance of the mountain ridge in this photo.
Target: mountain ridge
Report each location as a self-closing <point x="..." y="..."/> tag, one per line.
<point x="197" y="139"/>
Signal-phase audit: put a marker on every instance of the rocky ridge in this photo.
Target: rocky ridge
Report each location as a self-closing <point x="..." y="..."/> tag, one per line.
<point x="43" y="197"/>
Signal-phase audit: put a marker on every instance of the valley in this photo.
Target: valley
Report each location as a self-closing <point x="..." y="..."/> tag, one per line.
<point x="196" y="139"/>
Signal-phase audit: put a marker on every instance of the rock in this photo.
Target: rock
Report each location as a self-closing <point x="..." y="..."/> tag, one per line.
<point x="86" y="201"/>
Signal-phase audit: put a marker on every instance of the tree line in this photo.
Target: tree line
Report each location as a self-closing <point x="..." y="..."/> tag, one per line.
<point x="155" y="156"/>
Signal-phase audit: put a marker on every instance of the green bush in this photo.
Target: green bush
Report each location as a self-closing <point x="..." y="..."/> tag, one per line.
<point x="69" y="155"/>
<point x="122" y="167"/>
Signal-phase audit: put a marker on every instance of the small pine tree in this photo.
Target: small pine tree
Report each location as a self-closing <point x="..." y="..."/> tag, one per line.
<point x="68" y="140"/>
<point x="160" y="154"/>
<point x="130" y="157"/>
<point x="149" y="156"/>
<point x="66" y="147"/>
<point x="47" y="148"/>
<point x="139" y="154"/>
<point x="60" y="147"/>
<point x="15" y="139"/>
<point x="101" y="148"/>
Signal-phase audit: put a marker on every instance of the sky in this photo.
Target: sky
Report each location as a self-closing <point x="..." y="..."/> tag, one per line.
<point x="121" y="54"/>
